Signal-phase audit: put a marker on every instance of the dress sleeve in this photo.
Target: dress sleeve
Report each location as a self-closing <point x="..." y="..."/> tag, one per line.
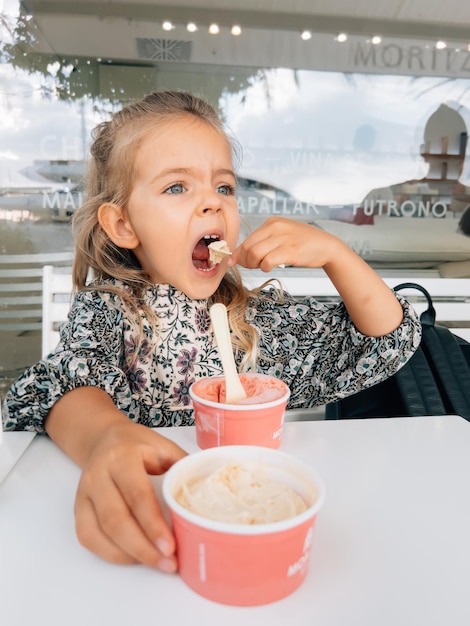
<point x="316" y="349"/>
<point x="90" y="353"/>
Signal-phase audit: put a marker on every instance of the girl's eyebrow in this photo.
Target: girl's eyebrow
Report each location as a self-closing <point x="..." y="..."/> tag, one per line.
<point x="225" y="172"/>
<point x="181" y="171"/>
<point x="173" y="171"/>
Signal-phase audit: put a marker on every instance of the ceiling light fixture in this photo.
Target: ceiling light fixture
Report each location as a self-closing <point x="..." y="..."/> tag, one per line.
<point x="191" y="27"/>
<point x="341" y="37"/>
<point x="214" y="29"/>
<point x="236" y="30"/>
<point x="440" y="45"/>
<point x="306" y="35"/>
<point x="376" y="39"/>
<point x="167" y="25"/>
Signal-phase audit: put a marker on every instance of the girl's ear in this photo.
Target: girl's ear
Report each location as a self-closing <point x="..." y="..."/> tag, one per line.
<point x="116" y="225"/>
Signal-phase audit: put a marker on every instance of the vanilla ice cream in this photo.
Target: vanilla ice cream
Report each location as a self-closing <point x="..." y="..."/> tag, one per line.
<point x="218" y="250"/>
<point x="241" y="494"/>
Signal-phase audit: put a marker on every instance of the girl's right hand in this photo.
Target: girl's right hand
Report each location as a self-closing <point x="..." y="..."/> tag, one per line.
<point x="116" y="511"/>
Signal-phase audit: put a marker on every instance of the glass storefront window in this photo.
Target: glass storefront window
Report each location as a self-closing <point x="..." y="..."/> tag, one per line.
<point x="368" y="142"/>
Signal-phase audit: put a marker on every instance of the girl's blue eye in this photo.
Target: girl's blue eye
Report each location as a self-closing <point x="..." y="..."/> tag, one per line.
<point x="176" y="188"/>
<point x="226" y="190"/>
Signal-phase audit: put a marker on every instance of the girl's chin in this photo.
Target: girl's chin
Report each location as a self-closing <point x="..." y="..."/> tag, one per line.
<point x="201" y="289"/>
<point x="198" y="285"/>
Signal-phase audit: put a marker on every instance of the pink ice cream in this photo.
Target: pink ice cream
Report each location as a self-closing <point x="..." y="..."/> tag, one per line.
<point x="256" y="420"/>
<point x="259" y="389"/>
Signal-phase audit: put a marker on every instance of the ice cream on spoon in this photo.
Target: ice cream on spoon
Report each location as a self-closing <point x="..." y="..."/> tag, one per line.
<point x="218" y="250"/>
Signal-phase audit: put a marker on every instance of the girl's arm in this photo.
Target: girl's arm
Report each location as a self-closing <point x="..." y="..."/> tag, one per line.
<point x="371" y="304"/>
<point x="117" y="514"/>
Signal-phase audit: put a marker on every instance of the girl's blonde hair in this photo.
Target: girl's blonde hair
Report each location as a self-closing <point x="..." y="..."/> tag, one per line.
<point x="110" y="178"/>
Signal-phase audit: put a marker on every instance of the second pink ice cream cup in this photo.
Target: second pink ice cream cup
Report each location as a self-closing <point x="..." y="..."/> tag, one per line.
<point x="257" y="420"/>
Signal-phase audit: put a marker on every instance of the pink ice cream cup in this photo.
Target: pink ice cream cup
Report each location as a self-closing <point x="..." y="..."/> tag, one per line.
<point x="257" y="421"/>
<point x="244" y="564"/>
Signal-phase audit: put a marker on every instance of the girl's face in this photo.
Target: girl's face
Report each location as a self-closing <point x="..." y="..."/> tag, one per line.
<point x="183" y="197"/>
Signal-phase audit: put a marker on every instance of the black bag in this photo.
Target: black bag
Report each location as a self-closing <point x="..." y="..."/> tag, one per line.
<point x="435" y="381"/>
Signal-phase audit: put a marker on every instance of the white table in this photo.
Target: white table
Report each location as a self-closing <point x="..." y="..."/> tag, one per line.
<point x="11" y="448"/>
<point x="391" y="545"/>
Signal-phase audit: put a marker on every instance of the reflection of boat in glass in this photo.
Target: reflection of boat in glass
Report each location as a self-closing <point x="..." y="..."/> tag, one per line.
<point x="55" y="204"/>
<point x="392" y="241"/>
<point x="55" y="196"/>
<point x="56" y="170"/>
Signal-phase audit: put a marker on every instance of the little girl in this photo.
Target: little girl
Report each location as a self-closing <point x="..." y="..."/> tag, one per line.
<point x="160" y="188"/>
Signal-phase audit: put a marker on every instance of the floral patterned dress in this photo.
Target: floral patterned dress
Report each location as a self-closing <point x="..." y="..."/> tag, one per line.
<point x="314" y="347"/>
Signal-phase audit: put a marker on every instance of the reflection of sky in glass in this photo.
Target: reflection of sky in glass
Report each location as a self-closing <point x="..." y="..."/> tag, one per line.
<point x="9" y="7"/>
<point x="35" y="125"/>
<point x="330" y="137"/>
<point x="325" y="137"/>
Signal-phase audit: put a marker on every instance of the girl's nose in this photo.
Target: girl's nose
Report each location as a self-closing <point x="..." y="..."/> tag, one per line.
<point x="212" y="201"/>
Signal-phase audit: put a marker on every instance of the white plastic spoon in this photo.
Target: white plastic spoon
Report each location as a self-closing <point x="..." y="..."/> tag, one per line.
<point x="234" y="389"/>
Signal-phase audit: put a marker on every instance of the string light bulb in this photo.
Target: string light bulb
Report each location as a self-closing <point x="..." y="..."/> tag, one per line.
<point x="167" y="25"/>
<point x="440" y="45"/>
<point x="214" y="29"/>
<point x="306" y="35"/>
<point x="341" y="37"/>
<point x="376" y="39"/>
<point x="236" y="30"/>
<point x="191" y="27"/>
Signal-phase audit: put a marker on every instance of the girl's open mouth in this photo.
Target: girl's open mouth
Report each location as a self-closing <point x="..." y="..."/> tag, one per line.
<point x="201" y="255"/>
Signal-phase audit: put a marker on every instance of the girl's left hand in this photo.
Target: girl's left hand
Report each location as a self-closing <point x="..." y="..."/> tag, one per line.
<point x="282" y="241"/>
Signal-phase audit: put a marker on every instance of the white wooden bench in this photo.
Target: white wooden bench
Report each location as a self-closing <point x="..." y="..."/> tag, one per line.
<point x="21" y="300"/>
<point x="56" y="300"/>
<point x="451" y="296"/>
